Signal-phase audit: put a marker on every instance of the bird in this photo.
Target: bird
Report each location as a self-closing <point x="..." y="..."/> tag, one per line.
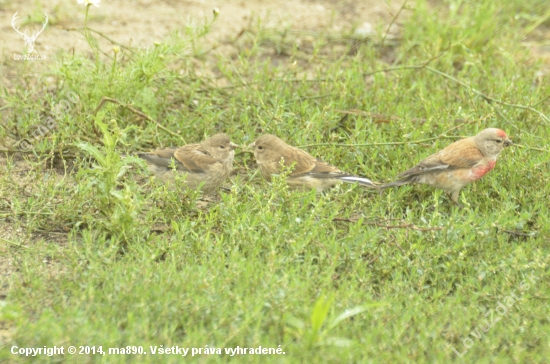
<point x="307" y="172"/>
<point x="460" y="163"/>
<point x="206" y="165"/>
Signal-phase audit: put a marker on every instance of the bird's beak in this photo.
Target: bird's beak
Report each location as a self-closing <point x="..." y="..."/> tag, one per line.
<point x="508" y="142"/>
<point x="233" y="145"/>
<point x="251" y="146"/>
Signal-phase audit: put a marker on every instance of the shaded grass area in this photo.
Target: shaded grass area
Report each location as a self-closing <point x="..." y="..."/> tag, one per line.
<point x="349" y="276"/>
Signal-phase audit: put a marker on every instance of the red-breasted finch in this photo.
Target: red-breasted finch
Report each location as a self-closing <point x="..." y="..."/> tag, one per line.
<point x="462" y="162"/>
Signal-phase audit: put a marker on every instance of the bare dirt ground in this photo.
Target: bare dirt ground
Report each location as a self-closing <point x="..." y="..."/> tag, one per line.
<point x="139" y="23"/>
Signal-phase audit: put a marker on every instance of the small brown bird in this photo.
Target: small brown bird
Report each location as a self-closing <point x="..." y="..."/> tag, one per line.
<point x="462" y="162"/>
<point x="208" y="163"/>
<point x="308" y="172"/>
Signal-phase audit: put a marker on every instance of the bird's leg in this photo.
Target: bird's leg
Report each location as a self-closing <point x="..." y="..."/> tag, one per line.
<point x="454" y="197"/>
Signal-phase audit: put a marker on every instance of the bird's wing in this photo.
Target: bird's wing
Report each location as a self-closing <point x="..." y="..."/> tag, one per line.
<point x="462" y="154"/>
<point x="160" y="157"/>
<point x="305" y="163"/>
<point x="194" y="158"/>
<point x="189" y="158"/>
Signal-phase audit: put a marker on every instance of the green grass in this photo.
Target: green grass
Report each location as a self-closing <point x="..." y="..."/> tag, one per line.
<point x="105" y="256"/>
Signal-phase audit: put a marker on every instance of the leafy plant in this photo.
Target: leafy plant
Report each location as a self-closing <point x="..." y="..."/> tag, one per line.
<point x="317" y="332"/>
<point x="112" y="206"/>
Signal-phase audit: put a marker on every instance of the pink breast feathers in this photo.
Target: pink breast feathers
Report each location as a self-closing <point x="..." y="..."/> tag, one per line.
<point x="480" y="171"/>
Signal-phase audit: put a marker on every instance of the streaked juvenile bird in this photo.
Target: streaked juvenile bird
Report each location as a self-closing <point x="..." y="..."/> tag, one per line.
<point x="308" y="172"/>
<point x="460" y="163"/>
<point x="209" y="163"/>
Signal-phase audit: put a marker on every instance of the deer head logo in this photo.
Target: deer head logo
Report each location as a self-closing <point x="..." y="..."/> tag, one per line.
<point x="29" y="39"/>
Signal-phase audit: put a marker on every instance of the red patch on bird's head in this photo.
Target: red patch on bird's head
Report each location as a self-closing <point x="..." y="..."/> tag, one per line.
<point x="501" y="133"/>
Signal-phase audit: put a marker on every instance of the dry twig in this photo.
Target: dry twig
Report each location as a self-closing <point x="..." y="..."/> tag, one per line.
<point x="379" y="224"/>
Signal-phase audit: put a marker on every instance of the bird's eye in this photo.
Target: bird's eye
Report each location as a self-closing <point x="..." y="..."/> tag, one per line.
<point x="499" y="140"/>
<point x="260" y="147"/>
<point x="221" y="146"/>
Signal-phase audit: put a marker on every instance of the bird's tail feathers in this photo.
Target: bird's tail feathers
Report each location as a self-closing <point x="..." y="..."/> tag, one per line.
<point x="360" y="180"/>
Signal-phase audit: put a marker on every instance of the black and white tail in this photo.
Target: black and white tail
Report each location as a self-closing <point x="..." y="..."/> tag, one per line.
<point x="360" y="180"/>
